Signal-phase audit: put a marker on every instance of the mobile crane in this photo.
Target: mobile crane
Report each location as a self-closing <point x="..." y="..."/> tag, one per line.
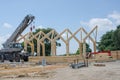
<point x="11" y="50"/>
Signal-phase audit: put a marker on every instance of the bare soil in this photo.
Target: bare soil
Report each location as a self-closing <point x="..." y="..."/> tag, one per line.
<point x="110" y="71"/>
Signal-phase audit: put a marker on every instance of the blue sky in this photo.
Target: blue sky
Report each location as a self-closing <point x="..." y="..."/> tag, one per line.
<point x="60" y="14"/>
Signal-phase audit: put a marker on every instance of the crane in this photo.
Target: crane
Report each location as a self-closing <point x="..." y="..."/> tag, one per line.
<point x="11" y="50"/>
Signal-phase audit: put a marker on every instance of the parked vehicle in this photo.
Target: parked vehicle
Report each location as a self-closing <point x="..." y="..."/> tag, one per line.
<point x="11" y="50"/>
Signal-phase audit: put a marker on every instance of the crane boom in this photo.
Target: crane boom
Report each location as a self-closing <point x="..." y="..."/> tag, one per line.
<point x="26" y="21"/>
<point x="11" y="50"/>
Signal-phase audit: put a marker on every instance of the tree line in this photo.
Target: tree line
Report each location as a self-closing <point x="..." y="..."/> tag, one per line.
<point x="110" y="40"/>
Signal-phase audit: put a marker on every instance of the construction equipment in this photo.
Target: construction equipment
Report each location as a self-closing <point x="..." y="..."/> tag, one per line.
<point x="11" y="50"/>
<point x="77" y="65"/>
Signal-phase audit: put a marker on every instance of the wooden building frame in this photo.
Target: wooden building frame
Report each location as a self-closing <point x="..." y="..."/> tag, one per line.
<point x="41" y="36"/>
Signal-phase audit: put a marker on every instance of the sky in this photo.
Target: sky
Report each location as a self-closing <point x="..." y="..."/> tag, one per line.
<point x="60" y="14"/>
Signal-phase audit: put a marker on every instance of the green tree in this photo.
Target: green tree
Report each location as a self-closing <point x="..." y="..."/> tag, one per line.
<point x="116" y="38"/>
<point x="88" y="49"/>
<point x="46" y="42"/>
<point x="106" y="42"/>
<point x="110" y="40"/>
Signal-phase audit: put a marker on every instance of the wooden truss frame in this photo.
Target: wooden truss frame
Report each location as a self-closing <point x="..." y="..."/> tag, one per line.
<point x="41" y="36"/>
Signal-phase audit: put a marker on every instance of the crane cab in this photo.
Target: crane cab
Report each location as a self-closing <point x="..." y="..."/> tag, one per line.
<point x="15" y="45"/>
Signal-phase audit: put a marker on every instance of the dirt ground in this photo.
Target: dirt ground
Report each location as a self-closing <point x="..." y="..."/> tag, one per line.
<point x="110" y="71"/>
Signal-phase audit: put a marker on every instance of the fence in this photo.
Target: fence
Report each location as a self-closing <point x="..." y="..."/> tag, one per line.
<point x="115" y="55"/>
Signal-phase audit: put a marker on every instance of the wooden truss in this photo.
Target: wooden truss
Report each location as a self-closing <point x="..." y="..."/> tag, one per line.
<point x="52" y="36"/>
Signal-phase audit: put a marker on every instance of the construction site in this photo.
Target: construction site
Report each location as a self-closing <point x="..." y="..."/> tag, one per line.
<point x="17" y="63"/>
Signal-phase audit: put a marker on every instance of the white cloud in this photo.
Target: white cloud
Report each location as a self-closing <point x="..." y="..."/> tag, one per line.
<point x="3" y="38"/>
<point x="104" y="24"/>
<point x="7" y="25"/>
<point x="40" y="27"/>
<point x="115" y="16"/>
<point x="64" y="35"/>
